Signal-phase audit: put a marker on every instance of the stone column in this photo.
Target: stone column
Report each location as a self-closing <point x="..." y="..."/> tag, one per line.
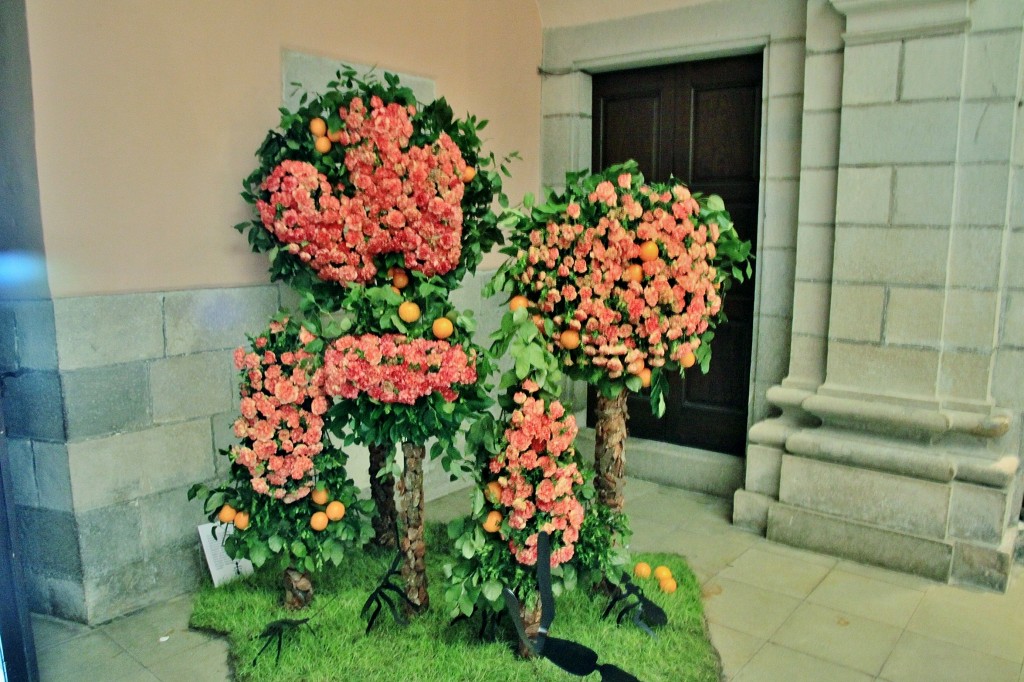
<point x="915" y="464"/>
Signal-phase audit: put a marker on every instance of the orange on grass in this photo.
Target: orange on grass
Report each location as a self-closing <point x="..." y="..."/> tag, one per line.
<point x="409" y="312"/>
<point x="320" y="496"/>
<point x="241" y="520"/>
<point x="335" y="511"/>
<point x="668" y="585"/>
<point x="493" y="522"/>
<point x="318" y="521"/>
<point x="688" y="360"/>
<point x="633" y="273"/>
<point x="400" y="278"/>
<point x="442" y="328"/>
<point x="645" y="377"/>
<point x="662" y="572"/>
<point x="318" y="127"/>
<point x="493" y="492"/>
<point x="468" y="174"/>
<point x="227" y="514"/>
<point x="569" y="339"/>
<point x="517" y="302"/>
<point x="322" y="144"/>
<point x="642" y="570"/>
<point x="648" y="250"/>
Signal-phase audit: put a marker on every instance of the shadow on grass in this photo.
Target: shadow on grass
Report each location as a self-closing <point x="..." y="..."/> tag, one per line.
<point x="332" y="646"/>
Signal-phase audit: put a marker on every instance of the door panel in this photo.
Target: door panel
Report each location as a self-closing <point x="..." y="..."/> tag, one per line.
<point x="700" y="122"/>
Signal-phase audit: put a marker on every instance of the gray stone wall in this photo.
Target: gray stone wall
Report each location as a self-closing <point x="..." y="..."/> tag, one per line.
<point x="115" y="406"/>
<point x="905" y="451"/>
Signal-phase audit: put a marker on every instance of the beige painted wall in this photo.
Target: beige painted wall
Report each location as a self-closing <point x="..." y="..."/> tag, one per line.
<point x="147" y="116"/>
<point x="558" y="13"/>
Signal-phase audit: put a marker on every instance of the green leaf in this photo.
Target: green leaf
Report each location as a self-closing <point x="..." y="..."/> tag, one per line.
<point x="275" y="543"/>
<point x="491" y="590"/>
<point x="715" y="203"/>
<point x="258" y="554"/>
<point x="298" y="549"/>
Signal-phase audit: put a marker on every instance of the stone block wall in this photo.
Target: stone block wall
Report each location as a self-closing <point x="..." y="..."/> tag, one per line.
<point x="905" y="450"/>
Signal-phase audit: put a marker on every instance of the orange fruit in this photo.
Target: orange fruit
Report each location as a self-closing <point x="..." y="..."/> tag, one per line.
<point x="642" y="570"/>
<point x="322" y="144"/>
<point x="493" y="522"/>
<point x="400" y="279"/>
<point x="687" y="360"/>
<point x="335" y="511"/>
<point x="668" y="585"/>
<point x="442" y="328"/>
<point x="645" y="377"/>
<point x="517" y="302"/>
<point x="227" y="514"/>
<point x="569" y="339"/>
<point x="662" y="572"/>
<point x="334" y="136"/>
<point x="538" y="322"/>
<point x="648" y="251"/>
<point x="409" y="312"/>
<point x="318" y="521"/>
<point x="633" y="273"/>
<point x="318" y="127"/>
<point x="493" y="492"/>
<point x="468" y="174"/>
<point x="320" y="496"/>
<point x="241" y="520"/>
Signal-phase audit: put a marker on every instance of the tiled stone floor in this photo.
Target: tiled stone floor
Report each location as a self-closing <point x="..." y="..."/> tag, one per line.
<point x="775" y="613"/>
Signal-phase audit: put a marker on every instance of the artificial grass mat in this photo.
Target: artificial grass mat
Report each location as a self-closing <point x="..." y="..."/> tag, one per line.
<point x="333" y="646"/>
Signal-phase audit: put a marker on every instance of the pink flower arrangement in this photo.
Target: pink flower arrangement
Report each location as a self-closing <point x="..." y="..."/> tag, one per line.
<point x="281" y="426"/>
<point x="395" y="369"/>
<point x="399" y="199"/>
<point x="586" y="271"/>
<point x="538" y="478"/>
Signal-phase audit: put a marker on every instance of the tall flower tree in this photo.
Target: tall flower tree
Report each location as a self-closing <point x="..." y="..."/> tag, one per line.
<point x="632" y="277"/>
<point x="374" y="207"/>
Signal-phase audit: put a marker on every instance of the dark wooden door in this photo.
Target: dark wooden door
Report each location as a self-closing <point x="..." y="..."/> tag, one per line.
<point x="700" y="122"/>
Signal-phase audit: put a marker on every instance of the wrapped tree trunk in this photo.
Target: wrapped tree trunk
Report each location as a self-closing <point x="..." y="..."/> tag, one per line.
<point x="413" y="543"/>
<point x="382" y="490"/>
<point x="531" y="623"/>
<point x="610" y="450"/>
<point x="298" y="588"/>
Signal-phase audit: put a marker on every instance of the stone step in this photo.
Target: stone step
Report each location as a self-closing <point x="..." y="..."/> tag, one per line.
<point x="712" y="473"/>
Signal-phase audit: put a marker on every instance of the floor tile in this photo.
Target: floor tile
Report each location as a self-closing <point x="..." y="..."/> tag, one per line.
<point x="48" y="631"/>
<point x="843" y="638"/>
<point x="913" y="582"/>
<point x="746" y="608"/>
<point x="782" y="573"/>
<point x="707" y="555"/>
<point x="93" y="656"/>
<point x="734" y="647"/>
<point x="774" y="663"/>
<point x="917" y="658"/>
<point x="867" y="597"/>
<point x="799" y="554"/>
<point x="984" y="621"/>
<point x="151" y="640"/>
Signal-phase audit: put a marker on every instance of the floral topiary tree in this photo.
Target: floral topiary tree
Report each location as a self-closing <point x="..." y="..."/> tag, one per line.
<point x="529" y="479"/>
<point x="373" y="208"/>
<point x="288" y="496"/>
<point x="631" y="277"/>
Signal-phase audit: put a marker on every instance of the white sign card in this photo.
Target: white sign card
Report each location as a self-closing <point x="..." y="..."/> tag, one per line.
<point x="222" y="567"/>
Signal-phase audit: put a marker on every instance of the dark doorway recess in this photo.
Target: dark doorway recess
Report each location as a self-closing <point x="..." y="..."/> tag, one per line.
<point x="700" y="122"/>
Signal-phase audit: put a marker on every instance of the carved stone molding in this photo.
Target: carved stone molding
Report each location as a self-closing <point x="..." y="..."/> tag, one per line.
<point x="876" y="21"/>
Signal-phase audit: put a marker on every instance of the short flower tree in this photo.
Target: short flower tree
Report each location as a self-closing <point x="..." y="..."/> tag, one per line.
<point x="374" y="208"/>
<point x="629" y="277"/>
<point x="529" y="480"/>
